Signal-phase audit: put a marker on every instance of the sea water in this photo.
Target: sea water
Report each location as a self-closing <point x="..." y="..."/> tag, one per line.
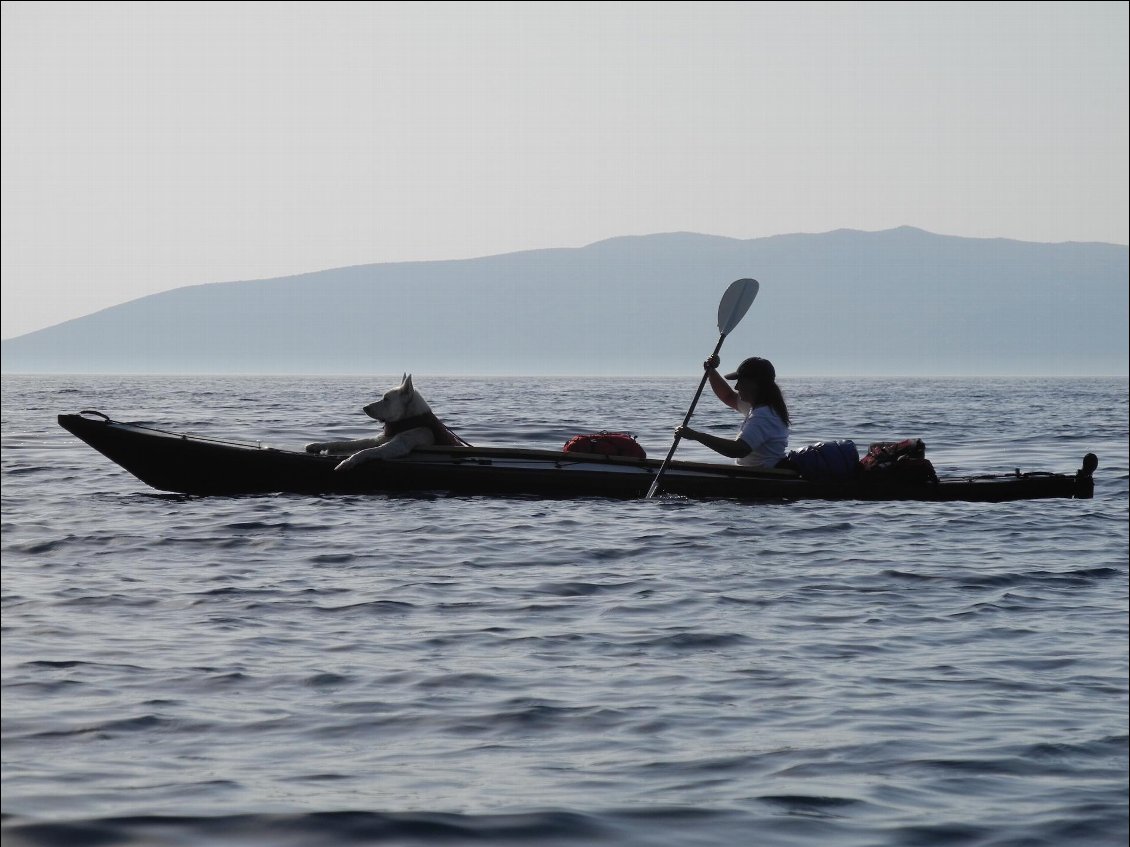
<point x="411" y="670"/>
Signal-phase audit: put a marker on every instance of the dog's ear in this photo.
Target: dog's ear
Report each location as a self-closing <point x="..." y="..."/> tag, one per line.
<point x="406" y="384"/>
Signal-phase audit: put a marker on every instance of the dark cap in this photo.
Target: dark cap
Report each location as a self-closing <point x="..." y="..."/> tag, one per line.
<point x="755" y="369"/>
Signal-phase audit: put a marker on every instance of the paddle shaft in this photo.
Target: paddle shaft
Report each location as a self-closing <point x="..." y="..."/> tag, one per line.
<point x="674" y="444"/>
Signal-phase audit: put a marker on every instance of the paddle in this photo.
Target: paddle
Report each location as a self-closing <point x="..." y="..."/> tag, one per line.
<point x="731" y="309"/>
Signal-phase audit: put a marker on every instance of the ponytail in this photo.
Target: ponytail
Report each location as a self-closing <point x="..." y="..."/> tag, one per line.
<point x="769" y="394"/>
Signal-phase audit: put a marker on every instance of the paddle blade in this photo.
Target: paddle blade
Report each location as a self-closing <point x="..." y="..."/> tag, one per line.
<point x="735" y="303"/>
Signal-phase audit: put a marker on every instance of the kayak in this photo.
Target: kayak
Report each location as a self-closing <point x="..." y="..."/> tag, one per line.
<point x="193" y="464"/>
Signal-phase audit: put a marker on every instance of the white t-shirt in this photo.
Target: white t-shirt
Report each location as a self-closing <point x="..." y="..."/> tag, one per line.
<point x="766" y="433"/>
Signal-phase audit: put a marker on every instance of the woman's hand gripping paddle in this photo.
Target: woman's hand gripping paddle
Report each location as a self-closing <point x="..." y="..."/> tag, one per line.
<point x="732" y="308"/>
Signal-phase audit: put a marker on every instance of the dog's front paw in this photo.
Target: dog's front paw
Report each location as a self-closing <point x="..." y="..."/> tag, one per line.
<point x="355" y="460"/>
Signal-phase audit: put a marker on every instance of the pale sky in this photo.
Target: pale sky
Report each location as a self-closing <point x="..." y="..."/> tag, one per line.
<point x="148" y="146"/>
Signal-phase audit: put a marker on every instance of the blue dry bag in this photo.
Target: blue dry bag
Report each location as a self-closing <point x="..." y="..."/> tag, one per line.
<point x="826" y="461"/>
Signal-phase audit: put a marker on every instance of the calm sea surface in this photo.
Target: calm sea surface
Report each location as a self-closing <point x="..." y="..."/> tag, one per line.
<point x="295" y="670"/>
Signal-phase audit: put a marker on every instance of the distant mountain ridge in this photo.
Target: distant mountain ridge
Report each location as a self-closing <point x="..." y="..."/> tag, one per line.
<point x="890" y="303"/>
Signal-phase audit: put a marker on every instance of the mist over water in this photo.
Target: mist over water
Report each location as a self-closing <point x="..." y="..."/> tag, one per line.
<point x="279" y="670"/>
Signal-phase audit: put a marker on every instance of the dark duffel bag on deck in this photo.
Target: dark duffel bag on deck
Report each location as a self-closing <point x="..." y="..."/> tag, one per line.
<point x="897" y="461"/>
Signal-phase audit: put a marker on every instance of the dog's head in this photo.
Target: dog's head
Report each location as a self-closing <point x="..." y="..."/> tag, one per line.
<point x="398" y="403"/>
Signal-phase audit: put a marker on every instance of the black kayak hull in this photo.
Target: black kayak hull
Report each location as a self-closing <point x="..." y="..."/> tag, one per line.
<point x="188" y="464"/>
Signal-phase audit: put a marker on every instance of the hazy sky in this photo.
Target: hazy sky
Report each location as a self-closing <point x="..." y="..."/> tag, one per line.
<point x="148" y="146"/>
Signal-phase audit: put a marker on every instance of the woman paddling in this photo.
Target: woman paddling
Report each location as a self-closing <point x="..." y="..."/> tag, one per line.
<point x="764" y="435"/>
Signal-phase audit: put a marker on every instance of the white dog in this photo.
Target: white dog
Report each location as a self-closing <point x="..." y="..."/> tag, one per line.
<point x="409" y="423"/>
